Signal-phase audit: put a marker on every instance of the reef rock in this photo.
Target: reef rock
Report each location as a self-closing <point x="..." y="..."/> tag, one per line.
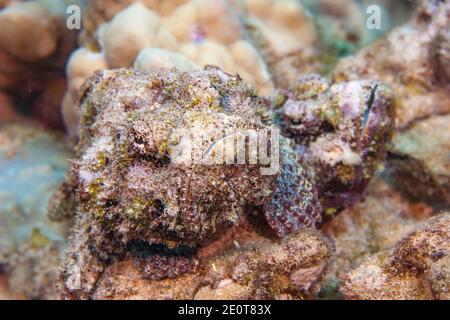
<point x="417" y="267"/>
<point x="412" y="59"/>
<point x="242" y="264"/>
<point x="420" y="160"/>
<point x="371" y="226"/>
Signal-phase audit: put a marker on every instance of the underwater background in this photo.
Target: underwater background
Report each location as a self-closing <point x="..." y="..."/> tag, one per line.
<point x="94" y="204"/>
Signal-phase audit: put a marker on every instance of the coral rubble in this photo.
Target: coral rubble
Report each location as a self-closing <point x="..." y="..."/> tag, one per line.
<point x="417" y="267"/>
<point x="371" y="226"/>
<point x="420" y="160"/>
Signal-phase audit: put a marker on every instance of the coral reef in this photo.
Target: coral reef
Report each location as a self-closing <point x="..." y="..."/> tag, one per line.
<point x="285" y="35"/>
<point x="184" y="31"/>
<point x="406" y="60"/>
<point x="280" y="29"/>
<point x="33" y="164"/>
<point x="417" y="267"/>
<point x="34" y="46"/>
<point x="420" y="160"/>
<point x="210" y="146"/>
<point x="373" y="225"/>
<point x="266" y="42"/>
<point x="158" y="165"/>
<point x="341" y="130"/>
<point x="240" y="265"/>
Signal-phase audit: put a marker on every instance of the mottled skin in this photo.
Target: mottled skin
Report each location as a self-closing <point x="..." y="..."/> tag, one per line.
<point x="127" y="171"/>
<point x="135" y="193"/>
<point x="295" y="202"/>
<point x="341" y="130"/>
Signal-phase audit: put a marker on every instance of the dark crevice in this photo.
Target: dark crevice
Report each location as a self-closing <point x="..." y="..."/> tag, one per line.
<point x="142" y="249"/>
<point x="369" y="107"/>
<point x="159" y="206"/>
<point x="159" y="162"/>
